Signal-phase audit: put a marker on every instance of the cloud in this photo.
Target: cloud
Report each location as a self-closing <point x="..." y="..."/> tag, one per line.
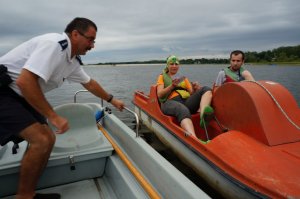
<point x="134" y="30"/>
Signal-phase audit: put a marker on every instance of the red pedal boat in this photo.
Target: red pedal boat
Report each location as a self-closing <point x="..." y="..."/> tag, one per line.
<point x="252" y="147"/>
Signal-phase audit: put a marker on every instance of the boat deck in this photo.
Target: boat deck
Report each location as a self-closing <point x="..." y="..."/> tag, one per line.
<point x="104" y="187"/>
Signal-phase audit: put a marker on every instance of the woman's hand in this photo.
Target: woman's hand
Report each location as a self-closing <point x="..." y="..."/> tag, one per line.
<point x="196" y="86"/>
<point x="176" y="81"/>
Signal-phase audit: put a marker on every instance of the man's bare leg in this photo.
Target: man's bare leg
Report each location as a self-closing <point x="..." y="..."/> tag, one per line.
<point x="41" y="141"/>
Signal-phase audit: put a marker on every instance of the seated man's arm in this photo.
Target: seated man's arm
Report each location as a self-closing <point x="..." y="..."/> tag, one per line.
<point x="247" y="75"/>
<point x="219" y="80"/>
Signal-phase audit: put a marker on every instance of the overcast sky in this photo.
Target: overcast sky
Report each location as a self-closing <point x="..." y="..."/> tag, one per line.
<point x="138" y="30"/>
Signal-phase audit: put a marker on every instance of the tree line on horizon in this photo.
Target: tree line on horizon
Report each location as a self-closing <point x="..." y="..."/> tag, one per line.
<point x="277" y="55"/>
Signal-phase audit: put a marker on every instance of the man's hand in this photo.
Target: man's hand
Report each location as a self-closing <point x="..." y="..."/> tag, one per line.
<point x="61" y="124"/>
<point x="118" y="104"/>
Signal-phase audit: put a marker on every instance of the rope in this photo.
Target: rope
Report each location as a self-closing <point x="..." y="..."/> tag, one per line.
<point x="140" y="178"/>
<point x="276" y="102"/>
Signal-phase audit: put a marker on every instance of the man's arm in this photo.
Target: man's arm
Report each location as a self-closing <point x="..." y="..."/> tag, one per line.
<point x="32" y="92"/>
<point x="247" y="75"/>
<point x="219" y="80"/>
<point x="95" y="88"/>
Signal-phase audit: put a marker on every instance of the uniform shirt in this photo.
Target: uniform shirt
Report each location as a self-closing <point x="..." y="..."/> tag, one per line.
<point x="49" y="57"/>
<point x="160" y="81"/>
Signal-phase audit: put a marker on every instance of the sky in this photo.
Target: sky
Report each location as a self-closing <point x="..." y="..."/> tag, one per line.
<point x="141" y="30"/>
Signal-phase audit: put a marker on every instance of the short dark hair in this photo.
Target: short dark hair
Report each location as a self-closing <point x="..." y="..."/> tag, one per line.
<point x="80" y="24"/>
<point x="236" y="52"/>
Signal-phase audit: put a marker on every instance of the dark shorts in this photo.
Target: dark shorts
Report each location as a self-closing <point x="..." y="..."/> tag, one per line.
<point x="15" y="115"/>
<point x="183" y="108"/>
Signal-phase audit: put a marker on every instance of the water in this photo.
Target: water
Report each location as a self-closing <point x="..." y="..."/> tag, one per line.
<point x="122" y="81"/>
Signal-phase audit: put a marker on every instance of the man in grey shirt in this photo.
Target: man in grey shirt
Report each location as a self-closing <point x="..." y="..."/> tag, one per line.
<point x="235" y="72"/>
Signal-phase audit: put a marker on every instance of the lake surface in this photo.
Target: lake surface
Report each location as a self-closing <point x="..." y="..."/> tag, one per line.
<point x="122" y="81"/>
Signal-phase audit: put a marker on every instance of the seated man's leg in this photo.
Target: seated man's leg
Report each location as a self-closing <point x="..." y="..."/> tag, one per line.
<point x="41" y="140"/>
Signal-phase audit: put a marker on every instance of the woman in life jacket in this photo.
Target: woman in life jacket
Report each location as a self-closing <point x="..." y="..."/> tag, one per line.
<point x="180" y="98"/>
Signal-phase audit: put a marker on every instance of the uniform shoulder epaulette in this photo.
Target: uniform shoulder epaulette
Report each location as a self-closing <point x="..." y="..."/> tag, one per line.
<point x="63" y="44"/>
<point x="79" y="59"/>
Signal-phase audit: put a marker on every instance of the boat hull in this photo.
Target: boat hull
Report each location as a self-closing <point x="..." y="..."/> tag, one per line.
<point x="103" y="160"/>
<point x="252" y="147"/>
<point x="202" y="167"/>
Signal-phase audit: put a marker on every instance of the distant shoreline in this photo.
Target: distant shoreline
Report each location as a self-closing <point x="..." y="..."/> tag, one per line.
<point x="285" y="55"/>
<point x="274" y="63"/>
<point x="144" y="64"/>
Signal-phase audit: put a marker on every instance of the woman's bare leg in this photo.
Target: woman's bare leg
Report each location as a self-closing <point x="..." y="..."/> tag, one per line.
<point x="187" y="125"/>
<point x="205" y="101"/>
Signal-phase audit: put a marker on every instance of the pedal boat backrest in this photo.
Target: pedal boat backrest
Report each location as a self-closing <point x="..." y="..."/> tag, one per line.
<point x="249" y="108"/>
